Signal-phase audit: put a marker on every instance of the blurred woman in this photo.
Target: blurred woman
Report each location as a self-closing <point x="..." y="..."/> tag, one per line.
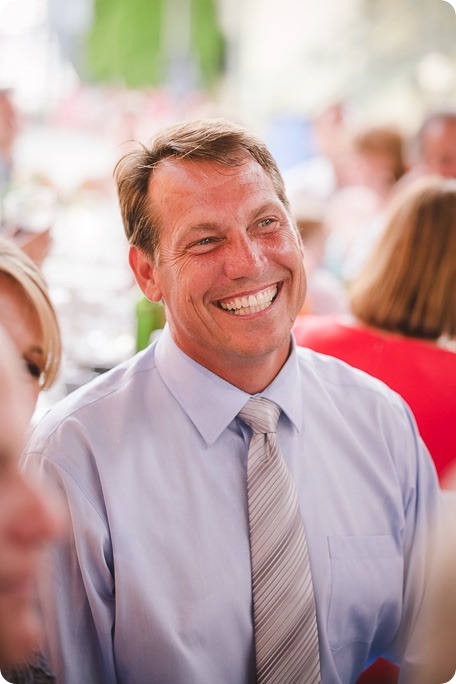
<point x="26" y="520"/>
<point x="31" y="350"/>
<point x="355" y="213"/>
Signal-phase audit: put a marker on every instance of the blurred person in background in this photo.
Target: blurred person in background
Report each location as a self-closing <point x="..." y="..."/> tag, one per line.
<point x="319" y="176"/>
<point x="35" y="243"/>
<point x="29" y="318"/>
<point x="433" y="148"/>
<point x="403" y="328"/>
<point x="376" y="159"/>
<point x="325" y="293"/>
<point x="354" y="217"/>
<point x="27" y="518"/>
<point x="9" y="128"/>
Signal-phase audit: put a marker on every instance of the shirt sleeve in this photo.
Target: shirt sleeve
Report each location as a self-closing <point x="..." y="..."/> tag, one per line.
<point x="76" y="584"/>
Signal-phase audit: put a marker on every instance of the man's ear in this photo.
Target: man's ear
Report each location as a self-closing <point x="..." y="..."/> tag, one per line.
<point x="144" y="269"/>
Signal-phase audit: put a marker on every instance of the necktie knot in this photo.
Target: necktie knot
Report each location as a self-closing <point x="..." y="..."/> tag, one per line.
<point x="261" y="415"/>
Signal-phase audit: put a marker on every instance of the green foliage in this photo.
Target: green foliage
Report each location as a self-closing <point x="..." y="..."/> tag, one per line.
<point x="125" y="42"/>
<point x="207" y="40"/>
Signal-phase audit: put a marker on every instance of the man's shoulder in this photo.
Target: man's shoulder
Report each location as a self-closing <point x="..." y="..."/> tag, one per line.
<point x="332" y="371"/>
<point x="101" y="397"/>
<point x="336" y="389"/>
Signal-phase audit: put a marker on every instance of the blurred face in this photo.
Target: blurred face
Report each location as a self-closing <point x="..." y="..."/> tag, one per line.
<point x="25" y="520"/>
<point x="439" y="149"/>
<point x="20" y="321"/>
<point x="229" y="269"/>
<point x="375" y="171"/>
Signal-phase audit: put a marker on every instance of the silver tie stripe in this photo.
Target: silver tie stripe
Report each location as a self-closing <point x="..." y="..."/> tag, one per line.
<point x="286" y="637"/>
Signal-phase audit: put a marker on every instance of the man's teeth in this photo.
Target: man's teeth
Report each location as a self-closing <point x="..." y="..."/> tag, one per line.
<point x="242" y="306"/>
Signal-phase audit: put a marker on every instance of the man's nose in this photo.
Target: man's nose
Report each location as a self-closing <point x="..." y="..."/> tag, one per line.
<point x="244" y="258"/>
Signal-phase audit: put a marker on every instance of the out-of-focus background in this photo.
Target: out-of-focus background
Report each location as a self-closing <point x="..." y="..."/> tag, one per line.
<point x="87" y="76"/>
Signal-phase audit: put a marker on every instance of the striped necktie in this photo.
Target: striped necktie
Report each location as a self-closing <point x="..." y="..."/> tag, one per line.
<point x="286" y="637"/>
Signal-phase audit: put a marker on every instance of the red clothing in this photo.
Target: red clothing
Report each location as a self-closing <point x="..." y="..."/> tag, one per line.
<point x="421" y="372"/>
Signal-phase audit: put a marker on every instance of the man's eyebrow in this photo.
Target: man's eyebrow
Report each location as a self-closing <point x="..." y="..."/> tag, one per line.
<point x="201" y="228"/>
<point x="269" y="205"/>
<point x="273" y="204"/>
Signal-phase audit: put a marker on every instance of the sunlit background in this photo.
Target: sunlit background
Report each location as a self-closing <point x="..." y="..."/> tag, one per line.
<point x="255" y="58"/>
<point x="89" y="75"/>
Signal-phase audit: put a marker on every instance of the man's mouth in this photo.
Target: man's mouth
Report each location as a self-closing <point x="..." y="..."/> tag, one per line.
<point x="250" y="304"/>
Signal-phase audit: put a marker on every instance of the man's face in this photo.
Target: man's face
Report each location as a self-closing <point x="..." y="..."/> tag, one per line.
<point x="439" y="149"/>
<point x="230" y="267"/>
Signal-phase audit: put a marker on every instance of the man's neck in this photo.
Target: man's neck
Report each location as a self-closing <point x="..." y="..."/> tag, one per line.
<point x="249" y="374"/>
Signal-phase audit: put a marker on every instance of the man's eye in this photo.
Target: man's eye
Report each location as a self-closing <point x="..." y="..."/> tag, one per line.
<point x="264" y="223"/>
<point x="200" y="245"/>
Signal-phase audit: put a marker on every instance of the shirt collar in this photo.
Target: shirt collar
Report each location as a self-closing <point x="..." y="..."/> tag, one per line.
<point x="286" y="388"/>
<point x="210" y="402"/>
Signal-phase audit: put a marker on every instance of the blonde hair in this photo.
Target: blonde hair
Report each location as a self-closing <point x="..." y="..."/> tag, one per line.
<point x="408" y="284"/>
<point x="17" y="266"/>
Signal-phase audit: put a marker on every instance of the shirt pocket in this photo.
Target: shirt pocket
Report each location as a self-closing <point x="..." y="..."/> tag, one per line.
<point x="366" y="589"/>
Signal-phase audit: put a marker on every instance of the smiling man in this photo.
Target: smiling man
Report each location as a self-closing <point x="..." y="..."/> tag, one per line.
<point x="243" y="511"/>
<point x="229" y="269"/>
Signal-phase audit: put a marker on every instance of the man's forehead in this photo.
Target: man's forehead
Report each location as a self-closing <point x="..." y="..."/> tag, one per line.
<point x="196" y="188"/>
<point x="180" y="169"/>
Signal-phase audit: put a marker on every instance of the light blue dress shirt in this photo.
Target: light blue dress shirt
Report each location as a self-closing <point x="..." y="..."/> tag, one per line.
<point x="154" y="585"/>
